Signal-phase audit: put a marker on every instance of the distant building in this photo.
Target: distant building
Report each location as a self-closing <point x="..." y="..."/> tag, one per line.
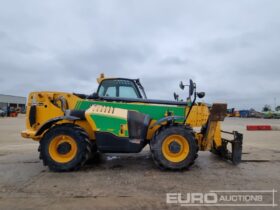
<point x="12" y="101"/>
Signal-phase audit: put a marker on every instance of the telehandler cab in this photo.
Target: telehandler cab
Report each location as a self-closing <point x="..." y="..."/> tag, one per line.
<point x="71" y="128"/>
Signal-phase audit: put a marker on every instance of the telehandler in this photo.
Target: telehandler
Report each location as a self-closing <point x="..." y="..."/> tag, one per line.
<point x="72" y="128"/>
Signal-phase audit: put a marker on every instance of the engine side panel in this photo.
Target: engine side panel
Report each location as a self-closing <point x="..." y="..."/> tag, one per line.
<point x="108" y="119"/>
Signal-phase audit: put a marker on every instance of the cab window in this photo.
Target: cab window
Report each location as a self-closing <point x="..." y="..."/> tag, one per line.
<point x="118" y="88"/>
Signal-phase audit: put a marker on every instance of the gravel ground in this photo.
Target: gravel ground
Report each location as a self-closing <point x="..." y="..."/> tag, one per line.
<point x="131" y="181"/>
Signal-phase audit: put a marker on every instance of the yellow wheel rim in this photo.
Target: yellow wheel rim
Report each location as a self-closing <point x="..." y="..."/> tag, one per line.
<point x="63" y="148"/>
<point x="175" y="148"/>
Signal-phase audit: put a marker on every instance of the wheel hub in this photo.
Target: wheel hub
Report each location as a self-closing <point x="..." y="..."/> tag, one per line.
<point x="174" y="147"/>
<point x="64" y="148"/>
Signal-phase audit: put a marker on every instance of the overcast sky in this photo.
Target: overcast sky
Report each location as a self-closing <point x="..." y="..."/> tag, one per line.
<point x="231" y="49"/>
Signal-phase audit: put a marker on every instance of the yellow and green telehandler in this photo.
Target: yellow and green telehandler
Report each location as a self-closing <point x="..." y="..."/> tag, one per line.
<point x="118" y="118"/>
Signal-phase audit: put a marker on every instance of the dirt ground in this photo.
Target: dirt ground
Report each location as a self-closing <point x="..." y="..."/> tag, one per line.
<point x="131" y="181"/>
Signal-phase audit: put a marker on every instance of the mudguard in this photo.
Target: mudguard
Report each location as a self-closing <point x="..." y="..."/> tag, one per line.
<point x="167" y="119"/>
<point x="51" y="122"/>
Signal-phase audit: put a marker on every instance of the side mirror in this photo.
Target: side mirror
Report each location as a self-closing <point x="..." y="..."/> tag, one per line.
<point x="181" y="85"/>
<point x="176" y="96"/>
<point x="200" y="94"/>
<point x="191" y="87"/>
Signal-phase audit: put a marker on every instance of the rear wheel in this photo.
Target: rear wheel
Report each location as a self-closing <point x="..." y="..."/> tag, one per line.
<point x="65" y="148"/>
<point x="174" y="148"/>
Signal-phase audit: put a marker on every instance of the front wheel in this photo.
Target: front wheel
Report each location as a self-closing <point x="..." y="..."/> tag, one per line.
<point x="65" y="148"/>
<point x="174" y="148"/>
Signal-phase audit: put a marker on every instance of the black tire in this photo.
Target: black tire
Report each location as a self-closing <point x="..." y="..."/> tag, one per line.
<point x="95" y="156"/>
<point x="82" y="143"/>
<point x="157" y="143"/>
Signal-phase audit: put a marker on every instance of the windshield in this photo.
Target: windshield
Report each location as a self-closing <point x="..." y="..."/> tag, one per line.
<point x="121" y="88"/>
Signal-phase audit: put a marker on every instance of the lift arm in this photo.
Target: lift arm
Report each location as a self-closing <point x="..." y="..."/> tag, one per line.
<point x="217" y="114"/>
<point x="212" y="138"/>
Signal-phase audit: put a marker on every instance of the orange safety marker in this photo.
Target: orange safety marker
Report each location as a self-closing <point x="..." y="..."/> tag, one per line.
<point x="259" y="127"/>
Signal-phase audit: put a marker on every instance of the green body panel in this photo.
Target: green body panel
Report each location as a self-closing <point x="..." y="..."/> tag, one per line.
<point x="105" y="123"/>
<point x="155" y="111"/>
